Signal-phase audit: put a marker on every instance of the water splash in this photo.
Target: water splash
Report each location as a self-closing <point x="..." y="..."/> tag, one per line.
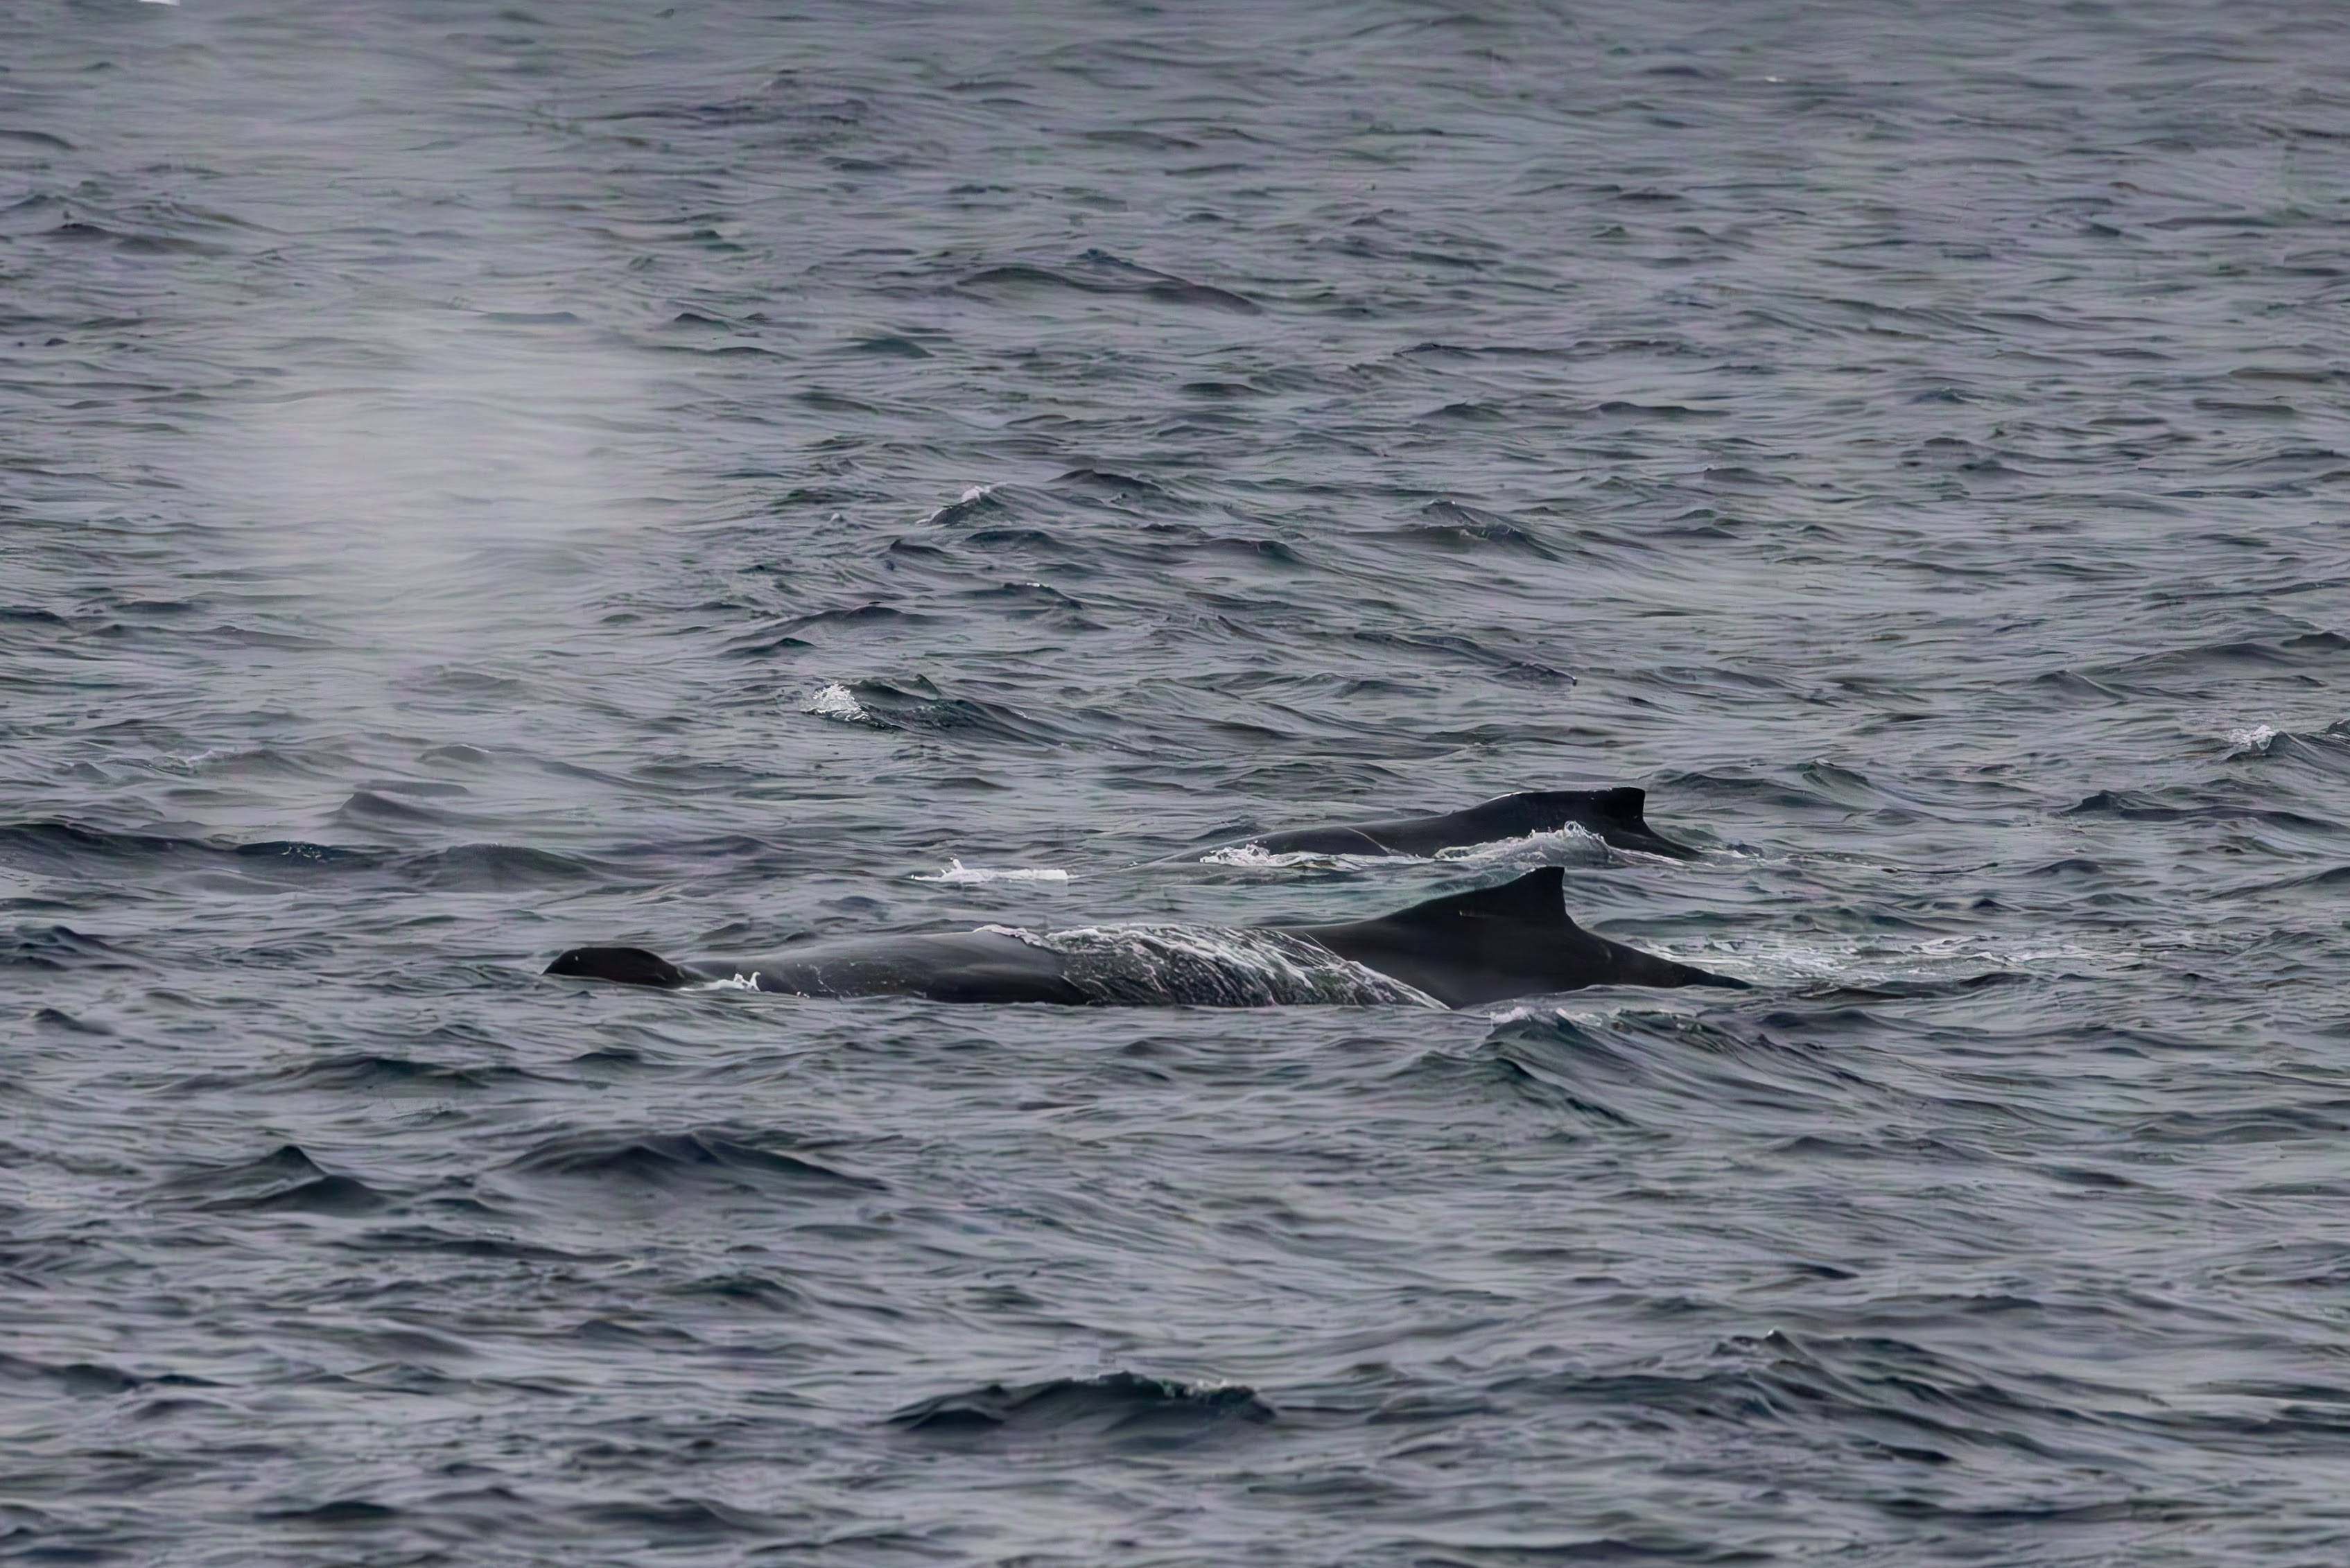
<point x="1210" y="966"/>
<point x="2250" y="743"/>
<point x="837" y="702"/>
<point x="957" y="874"/>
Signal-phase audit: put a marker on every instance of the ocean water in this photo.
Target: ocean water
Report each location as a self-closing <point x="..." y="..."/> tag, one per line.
<point x="478" y="481"/>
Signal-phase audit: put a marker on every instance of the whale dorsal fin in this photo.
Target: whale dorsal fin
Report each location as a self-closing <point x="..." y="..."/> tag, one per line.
<point x="1538" y="898"/>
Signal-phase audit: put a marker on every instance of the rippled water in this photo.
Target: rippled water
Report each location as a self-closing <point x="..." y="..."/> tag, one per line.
<point x="477" y="482"/>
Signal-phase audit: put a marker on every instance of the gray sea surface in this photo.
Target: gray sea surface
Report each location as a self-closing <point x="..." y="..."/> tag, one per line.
<point x="477" y="481"/>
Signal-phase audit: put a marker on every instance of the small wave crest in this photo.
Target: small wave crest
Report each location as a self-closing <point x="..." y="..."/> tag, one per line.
<point x="956" y="874"/>
<point x="970" y="501"/>
<point x="917" y="705"/>
<point x="1118" y="1405"/>
<point x="2250" y="743"/>
<point x="1209" y="966"/>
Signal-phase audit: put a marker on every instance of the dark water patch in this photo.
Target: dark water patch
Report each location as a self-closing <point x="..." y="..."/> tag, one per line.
<point x="1042" y="541"/>
<point x="366" y="808"/>
<point x="680" y="1520"/>
<point x="789" y="635"/>
<point x="61" y="1022"/>
<point x="327" y="1195"/>
<point x="86" y="1379"/>
<point x="888" y="345"/>
<point x="63" y="947"/>
<point x="324" y="1195"/>
<point x="2331" y="879"/>
<point x="1219" y="391"/>
<point x="1526" y="1074"/>
<point x="682" y="1162"/>
<point x="366" y="1073"/>
<point x="1674" y="1073"/>
<point x="921" y="706"/>
<point x="1110" y="486"/>
<point x="1782" y="797"/>
<point x="1175" y="543"/>
<point x="2129" y="805"/>
<point x="1450" y="525"/>
<point x="1508" y="665"/>
<point x="1906" y="990"/>
<point x="2306" y="654"/>
<point x="424" y="789"/>
<point x="344" y="1513"/>
<point x="757" y="1291"/>
<point x="502" y="867"/>
<point x="1099" y="272"/>
<point x="2071" y="684"/>
<point x="485" y="1247"/>
<point x="2074" y="866"/>
<point x="1124" y="1409"/>
<point x="2279" y="1122"/>
<point x="1037" y="604"/>
<point x="1867" y="1389"/>
<point x="60" y="848"/>
<point x="286" y="1181"/>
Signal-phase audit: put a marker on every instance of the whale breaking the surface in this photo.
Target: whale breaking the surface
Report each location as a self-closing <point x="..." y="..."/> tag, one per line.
<point x="1494" y="944"/>
<point x="1615" y="817"/>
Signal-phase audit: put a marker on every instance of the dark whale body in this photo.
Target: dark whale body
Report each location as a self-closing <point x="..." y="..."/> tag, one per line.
<point x="1513" y="940"/>
<point x="962" y="966"/>
<point x="1612" y="814"/>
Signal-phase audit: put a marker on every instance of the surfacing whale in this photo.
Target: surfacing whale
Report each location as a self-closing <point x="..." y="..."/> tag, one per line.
<point x="1513" y="940"/>
<point x="1611" y="815"/>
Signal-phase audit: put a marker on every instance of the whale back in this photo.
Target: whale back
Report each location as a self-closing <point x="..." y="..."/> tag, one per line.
<point x="1615" y="815"/>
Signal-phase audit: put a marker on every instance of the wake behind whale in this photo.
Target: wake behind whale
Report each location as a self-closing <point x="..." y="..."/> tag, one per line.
<point x="1510" y="941"/>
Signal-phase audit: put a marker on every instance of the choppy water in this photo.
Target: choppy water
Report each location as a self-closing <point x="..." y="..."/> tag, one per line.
<point x="474" y="482"/>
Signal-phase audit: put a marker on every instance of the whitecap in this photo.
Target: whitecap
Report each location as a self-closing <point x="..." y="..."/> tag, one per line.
<point x="2252" y="742"/>
<point x="971" y="497"/>
<point x="957" y="874"/>
<point x="837" y="701"/>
